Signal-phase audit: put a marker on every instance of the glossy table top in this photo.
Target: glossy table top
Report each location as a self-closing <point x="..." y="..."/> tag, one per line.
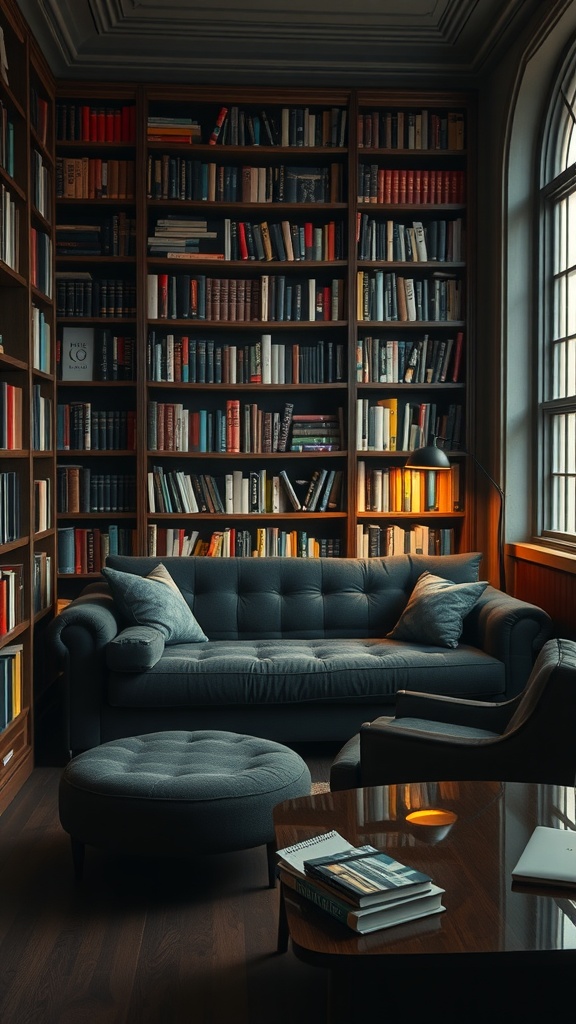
<point x="471" y="858"/>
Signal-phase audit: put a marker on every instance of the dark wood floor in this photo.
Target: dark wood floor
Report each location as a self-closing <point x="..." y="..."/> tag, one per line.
<point x="139" y="942"/>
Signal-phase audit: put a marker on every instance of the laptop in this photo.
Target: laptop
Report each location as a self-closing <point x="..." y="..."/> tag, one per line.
<point x="549" y="858"/>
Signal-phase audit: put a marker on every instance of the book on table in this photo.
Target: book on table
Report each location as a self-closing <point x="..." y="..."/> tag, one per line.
<point x="367" y="876"/>
<point x="367" y="919"/>
<point x="409" y="895"/>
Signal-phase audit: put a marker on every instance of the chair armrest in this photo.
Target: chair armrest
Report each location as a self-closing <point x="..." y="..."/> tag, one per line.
<point x="77" y="638"/>
<point x="510" y="630"/>
<point x="452" y="710"/>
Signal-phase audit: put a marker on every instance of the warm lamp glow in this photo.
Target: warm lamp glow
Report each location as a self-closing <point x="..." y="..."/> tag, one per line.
<point x="432" y="816"/>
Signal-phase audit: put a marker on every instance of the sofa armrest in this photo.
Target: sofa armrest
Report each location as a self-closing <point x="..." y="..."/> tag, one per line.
<point x="78" y="638"/>
<point x="511" y="630"/>
<point x="478" y="714"/>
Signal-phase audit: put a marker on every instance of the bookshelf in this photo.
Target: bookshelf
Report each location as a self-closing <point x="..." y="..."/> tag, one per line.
<point x="27" y="375"/>
<point x="298" y="260"/>
<point x="95" y="245"/>
<point x="414" y="186"/>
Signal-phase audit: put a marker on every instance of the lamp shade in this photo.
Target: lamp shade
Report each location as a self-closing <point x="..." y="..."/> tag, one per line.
<point x="429" y="457"/>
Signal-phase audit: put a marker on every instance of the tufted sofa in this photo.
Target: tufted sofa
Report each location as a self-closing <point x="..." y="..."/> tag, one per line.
<point x="296" y="648"/>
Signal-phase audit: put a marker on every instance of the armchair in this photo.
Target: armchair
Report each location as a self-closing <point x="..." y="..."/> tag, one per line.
<point x="530" y="738"/>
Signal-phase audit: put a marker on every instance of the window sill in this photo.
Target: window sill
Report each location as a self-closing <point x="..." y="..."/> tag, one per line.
<point x="540" y="554"/>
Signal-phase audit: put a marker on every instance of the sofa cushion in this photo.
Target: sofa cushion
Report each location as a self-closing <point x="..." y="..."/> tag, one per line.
<point x="135" y="649"/>
<point x="289" y="672"/>
<point x="154" y="600"/>
<point x="435" y="611"/>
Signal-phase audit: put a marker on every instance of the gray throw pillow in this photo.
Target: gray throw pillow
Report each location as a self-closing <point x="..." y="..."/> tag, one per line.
<point x="154" y="600"/>
<point x="435" y="611"/>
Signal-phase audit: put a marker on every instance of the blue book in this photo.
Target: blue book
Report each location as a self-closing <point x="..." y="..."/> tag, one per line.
<point x="66" y="560"/>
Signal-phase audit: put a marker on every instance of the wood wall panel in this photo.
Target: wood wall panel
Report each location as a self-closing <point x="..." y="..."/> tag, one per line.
<point x="551" y="589"/>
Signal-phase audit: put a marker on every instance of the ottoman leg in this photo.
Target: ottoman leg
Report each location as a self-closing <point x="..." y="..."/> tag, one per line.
<point x="271" y="857"/>
<point x="78" y="850"/>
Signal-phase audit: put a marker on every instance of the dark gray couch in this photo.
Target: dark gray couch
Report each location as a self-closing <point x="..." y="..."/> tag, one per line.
<point x="296" y="648"/>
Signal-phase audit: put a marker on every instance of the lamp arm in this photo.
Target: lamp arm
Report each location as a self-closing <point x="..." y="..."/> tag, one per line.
<point x="497" y="487"/>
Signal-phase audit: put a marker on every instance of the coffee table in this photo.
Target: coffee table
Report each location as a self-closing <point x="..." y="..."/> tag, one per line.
<point x="500" y="951"/>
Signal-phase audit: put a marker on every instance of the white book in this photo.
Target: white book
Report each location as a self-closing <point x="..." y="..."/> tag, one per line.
<point x="266" y="342"/>
<point x="378" y="428"/>
<point x="151" y="498"/>
<point x="245" y="506"/>
<point x="420" y="238"/>
<point x="549" y="858"/>
<point x="229" y="493"/>
<point x="237" y="490"/>
<point x="410" y="298"/>
<point x="232" y="364"/>
<point x="152" y="296"/>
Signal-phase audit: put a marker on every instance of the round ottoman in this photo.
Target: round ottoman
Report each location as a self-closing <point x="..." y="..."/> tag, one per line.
<point x="179" y="792"/>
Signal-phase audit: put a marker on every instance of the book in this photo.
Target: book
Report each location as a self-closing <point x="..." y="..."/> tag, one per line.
<point x="549" y="858"/>
<point x="366" y="875"/>
<point x="293" y="858"/>
<point x="77" y="358"/>
<point x="369" y="919"/>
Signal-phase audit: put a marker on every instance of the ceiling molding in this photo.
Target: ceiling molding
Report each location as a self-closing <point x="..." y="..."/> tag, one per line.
<point x="231" y="41"/>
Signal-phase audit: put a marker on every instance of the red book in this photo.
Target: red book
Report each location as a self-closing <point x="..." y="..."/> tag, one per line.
<point x="218" y="126"/>
<point x="308" y="236"/>
<point x="457" y="355"/>
<point x="93" y="129"/>
<point x="117" y="120"/>
<point x="78" y="549"/>
<point x="242" y="244"/>
<point x="162" y="295"/>
<point x="100" y="125"/>
<point x="85" y="121"/>
<point x="109" y="125"/>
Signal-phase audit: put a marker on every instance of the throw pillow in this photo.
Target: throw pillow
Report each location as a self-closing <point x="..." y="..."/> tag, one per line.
<point x="435" y="611"/>
<point x="154" y="600"/>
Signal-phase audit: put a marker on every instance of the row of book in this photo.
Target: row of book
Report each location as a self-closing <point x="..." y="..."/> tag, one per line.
<point x="398" y="489"/>
<point x="237" y="493"/>
<point x="41" y="185"/>
<point x="240" y="427"/>
<point x="189" y="180"/>
<point x="113" y="236"/>
<point x="10" y="239"/>
<point x="85" y="549"/>
<point x="11" y="402"/>
<point x="42" y="430"/>
<point x="80" y="489"/>
<point x="6" y="140"/>
<point x="284" y="241"/>
<point x="173" y="129"/>
<point x="374" y="540"/>
<point x="83" y="294"/>
<point x="41" y="340"/>
<point x="287" y="126"/>
<point x="411" y="186"/>
<point x="85" y="354"/>
<point x="40" y="260"/>
<point x="362" y="887"/>
<point x="86" y="177"/>
<point x="10" y="683"/>
<point x="41" y="581"/>
<point x="233" y="542"/>
<point x="440" y="241"/>
<point x="183" y="359"/>
<point x="424" y="360"/>
<point x="9" y="506"/>
<point x="11" y="596"/>
<point x="387" y="296"/>
<point x="274" y="298"/>
<point x="79" y="427"/>
<point x="411" y="129"/>
<point x="90" y="122"/>
<point x="392" y="424"/>
<point x="42" y="508"/>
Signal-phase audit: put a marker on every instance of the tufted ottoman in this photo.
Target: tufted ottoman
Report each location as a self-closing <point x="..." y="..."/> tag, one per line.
<point x="177" y="793"/>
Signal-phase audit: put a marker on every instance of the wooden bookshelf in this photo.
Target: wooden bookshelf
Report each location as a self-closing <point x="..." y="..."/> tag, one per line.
<point x="27" y="376"/>
<point x="273" y="195"/>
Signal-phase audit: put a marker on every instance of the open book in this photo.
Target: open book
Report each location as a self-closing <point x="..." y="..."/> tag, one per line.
<point x="292" y="858"/>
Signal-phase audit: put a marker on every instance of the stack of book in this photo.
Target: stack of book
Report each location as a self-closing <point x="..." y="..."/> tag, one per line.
<point x="360" y="886"/>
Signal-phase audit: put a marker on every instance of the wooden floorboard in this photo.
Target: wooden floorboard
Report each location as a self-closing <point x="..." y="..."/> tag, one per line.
<point x="139" y="941"/>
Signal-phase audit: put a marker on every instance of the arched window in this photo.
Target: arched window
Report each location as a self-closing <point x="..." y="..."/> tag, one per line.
<point x="557" y="397"/>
